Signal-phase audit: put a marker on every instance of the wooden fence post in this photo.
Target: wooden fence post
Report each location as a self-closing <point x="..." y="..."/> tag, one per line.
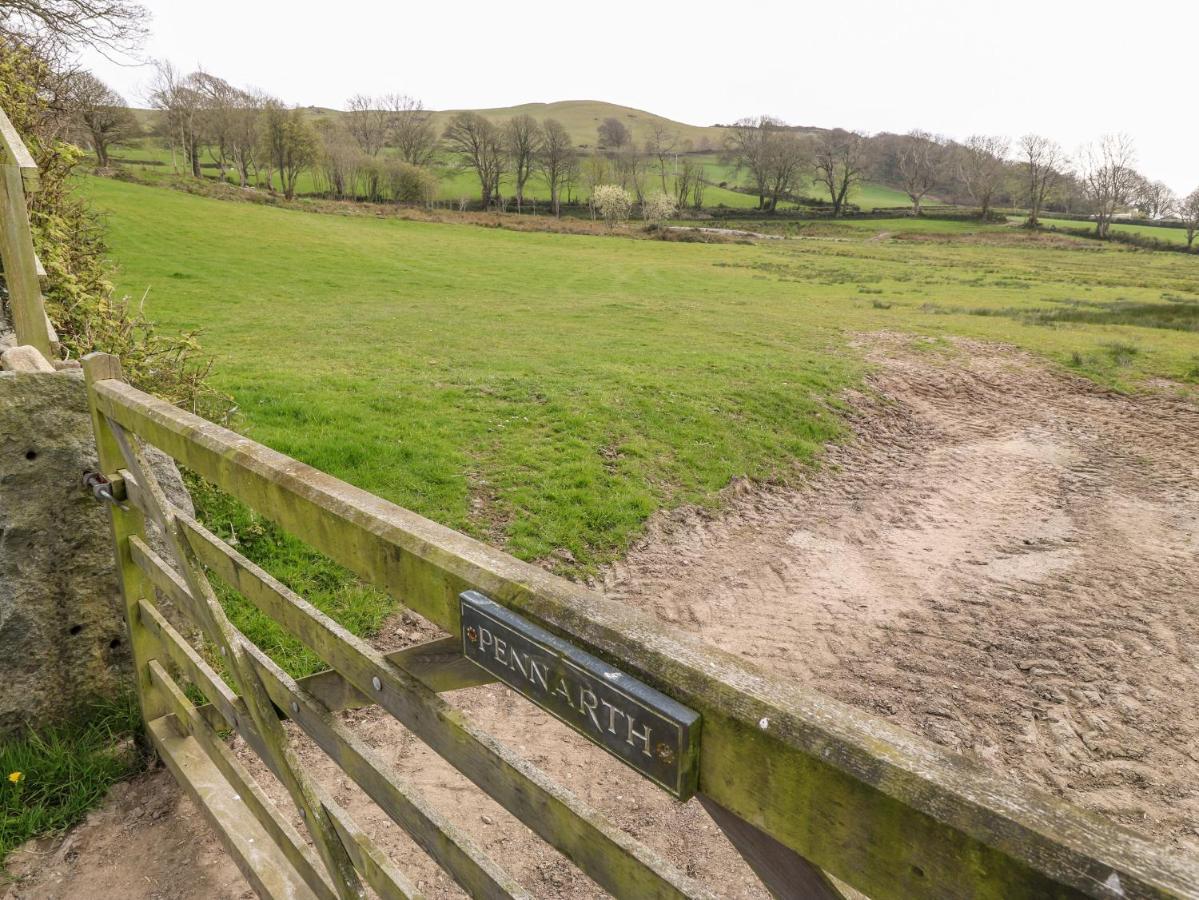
<point x="18" y="174"/>
<point x="127" y="521"/>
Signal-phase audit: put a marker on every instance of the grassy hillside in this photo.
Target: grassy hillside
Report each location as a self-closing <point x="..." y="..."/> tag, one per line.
<point x="549" y="392"/>
<point x="582" y="117"/>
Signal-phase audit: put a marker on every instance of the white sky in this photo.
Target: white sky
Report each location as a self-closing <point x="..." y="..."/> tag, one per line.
<point x="1070" y="69"/>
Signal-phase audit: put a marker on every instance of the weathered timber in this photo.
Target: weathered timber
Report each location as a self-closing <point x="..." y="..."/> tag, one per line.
<point x="888" y="812"/>
<point x="780" y="869"/>
<point x="126" y="522"/>
<point x="210" y="615"/>
<point x="612" y="858"/>
<point x="455" y="851"/>
<point x="281" y="833"/>
<point x="14" y="153"/>
<point x="20" y="267"/>
<point x="438" y="664"/>
<point x="269" y="872"/>
<point x="377" y="870"/>
<point x="387" y="881"/>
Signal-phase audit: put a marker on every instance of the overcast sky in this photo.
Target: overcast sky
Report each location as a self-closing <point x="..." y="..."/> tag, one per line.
<point x="1071" y="70"/>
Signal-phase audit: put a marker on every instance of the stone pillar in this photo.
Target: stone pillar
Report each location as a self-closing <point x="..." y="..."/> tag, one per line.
<point x="62" y="632"/>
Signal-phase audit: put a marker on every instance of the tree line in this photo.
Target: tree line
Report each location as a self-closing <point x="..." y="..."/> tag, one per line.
<point x="1033" y="173"/>
<point x="387" y="148"/>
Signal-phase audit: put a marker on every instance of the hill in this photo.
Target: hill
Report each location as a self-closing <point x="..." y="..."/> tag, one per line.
<point x="582" y="117"/>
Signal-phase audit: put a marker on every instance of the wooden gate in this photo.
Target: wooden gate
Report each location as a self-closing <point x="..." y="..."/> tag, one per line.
<point x="805" y="787"/>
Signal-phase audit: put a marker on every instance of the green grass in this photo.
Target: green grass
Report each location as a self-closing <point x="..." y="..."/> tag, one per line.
<point x="61" y="773"/>
<point x="1169" y="235"/>
<point x="550" y="391"/>
<point x="328" y="586"/>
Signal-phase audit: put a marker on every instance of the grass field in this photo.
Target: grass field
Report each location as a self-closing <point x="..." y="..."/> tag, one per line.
<point x="549" y="392"/>
<point x="1169" y="235"/>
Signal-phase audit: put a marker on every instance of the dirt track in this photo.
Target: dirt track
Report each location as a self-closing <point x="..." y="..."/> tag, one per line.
<point x="1004" y="561"/>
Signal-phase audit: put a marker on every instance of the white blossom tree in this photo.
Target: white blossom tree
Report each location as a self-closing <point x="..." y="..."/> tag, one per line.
<point x="657" y="208"/>
<point x="613" y="202"/>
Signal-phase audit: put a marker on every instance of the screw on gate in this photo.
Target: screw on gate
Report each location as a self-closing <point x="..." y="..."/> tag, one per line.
<point x="101" y="489"/>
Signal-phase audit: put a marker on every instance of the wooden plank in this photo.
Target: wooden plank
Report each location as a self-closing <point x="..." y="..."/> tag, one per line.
<point x="20" y="269"/>
<point x="387" y="881"/>
<point x="439" y="665"/>
<point x="126" y="522"/>
<point x="783" y="871"/>
<point x="273" y="822"/>
<point x="614" y="859"/>
<point x="269" y="872"/>
<point x="210" y="616"/>
<point x="377" y="870"/>
<point x="888" y="812"/>
<point x="17" y="155"/>
<point x="452" y="849"/>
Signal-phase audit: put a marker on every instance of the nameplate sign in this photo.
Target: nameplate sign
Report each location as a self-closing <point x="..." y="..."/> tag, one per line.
<point x="641" y="726"/>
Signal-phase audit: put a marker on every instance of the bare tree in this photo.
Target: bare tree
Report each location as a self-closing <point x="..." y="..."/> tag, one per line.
<point x="663" y="145"/>
<point x="613" y="135"/>
<point x="1044" y="166"/>
<point x="684" y="179"/>
<point x="64" y="24"/>
<point x="367" y="122"/>
<point x="981" y="162"/>
<point x="747" y="147"/>
<point x="183" y="108"/>
<point x="594" y="171"/>
<point x="840" y="159"/>
<point x="244" y="131"/>
<point x="556" y="159"/>
<point x="773" y="154"/>
<point x="338" y="158"/>
<point x="630" y="166"/>
<point x="697" y="187"/>
<point x="1108" y="177"/>
<point x="102" y="113"/>
<point x="789" y="158"/>
<point x="920" y="161"/>
<point x="218" y="101"/>
<point x="410" y="129"/>
<point x="479" y="145"/>
<point x="1154" y="199"/>
<point x="522" y="139"/>
<point x="1188" y="211"/>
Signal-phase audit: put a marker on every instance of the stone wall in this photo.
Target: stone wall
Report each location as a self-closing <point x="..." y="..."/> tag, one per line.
<point x="62" y="631"/>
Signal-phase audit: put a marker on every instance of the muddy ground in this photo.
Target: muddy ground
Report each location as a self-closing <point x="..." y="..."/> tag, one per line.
<point x="1003" y="560"/>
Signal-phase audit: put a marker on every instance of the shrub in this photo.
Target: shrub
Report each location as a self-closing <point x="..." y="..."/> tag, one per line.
<point x="411" y="184"/>
<point x="656" y="208"/>
<point x="613" y="202"/>
<point x="70" y="242"/>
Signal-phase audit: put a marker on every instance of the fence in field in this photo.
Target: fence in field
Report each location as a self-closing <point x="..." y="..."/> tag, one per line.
<point x="22" y="269"/>
<point x="814" y="794"/>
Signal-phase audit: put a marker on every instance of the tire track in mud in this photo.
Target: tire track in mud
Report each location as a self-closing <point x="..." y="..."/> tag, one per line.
<point x="1006" y="561"/>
